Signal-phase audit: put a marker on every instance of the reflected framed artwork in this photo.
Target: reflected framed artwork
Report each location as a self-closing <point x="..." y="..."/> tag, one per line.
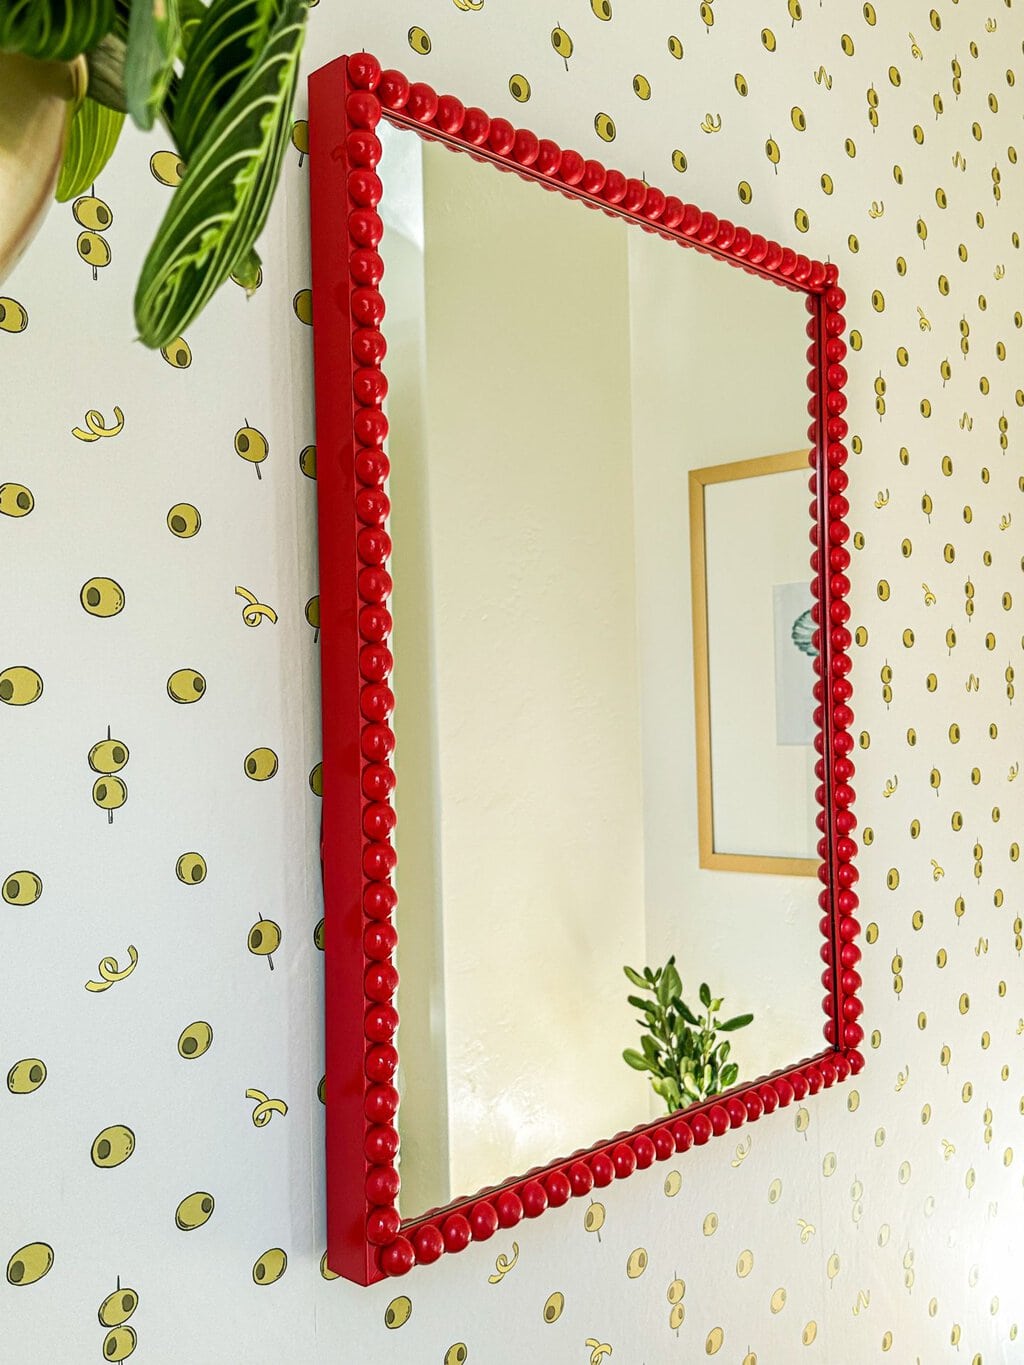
<point x="759" y="754"/>
<point x="520" y="378"/>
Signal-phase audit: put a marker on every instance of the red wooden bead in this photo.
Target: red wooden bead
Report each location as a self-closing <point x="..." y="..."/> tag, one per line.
<point x="380" y="901"/>
<point x="813" y="1078"/>
<point x="370" y="386"/>
<point x="635" y="197"/>
<point x="594" y="177"/>
<point x="853" y="1034"/>
<point x="736" y="1110"/>
<point x="708" y="230"/>
<point x="365" y="227"/>
<point x="664" y="1143"/>
<point x="362" y="110"/>
<point x="380" y="982"/>
<point x="372" y="504"/>
<point x="379" y="861"/>
<point x="456" y="1232"/>
<point x="372" y="467"/>
<point x="773" y="257"/>
<point x="422" y="102"/>
<point x="476" y="125"/>
<point x="769" y="1098"/>
<point x="852" y="1008"/>
<point x="393" y="89"/>
<point x="398" y="1258"/>
<point x="837" y="429"/>
<point x="702" y="1129"/>
<point x="724" y="236"/>
<point x="363" y="70"/>
<point x="376" y="701"/>
<point x="654" y="204"/>
<point x="534" y="1198"/>
<point x="450" y="114"/>
<point x="581" y="1178"/>
<point x="798" y="1084"/>
<point x="849" y="955"/>
<point x="850" y="981"/>
<point x="856" y="1061"/>
<point x="835" y="324"/>
<point x="365" y="188"/>
<point x="645" y="1151"/>
<point x="571" y="168"/>
<point x="363" y="148"/>
<point x="549" y="157"/>
<point x="682" y="1135"/>
<point x="509" y="1209"/>
<point x="558" y="1188"/>
<point x="378" y="782"/>
<point x="380" y="1103"/>
<point x="624" y="1160"/>
<point x="718" y="1117"/>
<point x="375" y="662"/>
<point x="381" y="1061"/>
<point x="603" y="1169"/>
<point x="526" y="147"/>
<point x="758" y="249"/>
<point x="614" y="187"/>
<point x="380" y="940"/>
<point x="366" y="267"/>
<point x="429" y="1244"/>
<point x="483" y="1221"/>
<point x="841" y="1065"/>
<point x="783" y="1092"/>
<point x="381" y="1144"/>
<point x="374" y="623"/>
<point x="754" y="1105"/>
<point x="381" y="1023"/>
<point x="382" y="1226"/>
<point x="373" y="544"/>
<point x="741" y="242"/>
<point x="501" y="137"/>
<point x="367" y="307"/>
<point x="382" y="1185"/>
<point x="691" y="220"/>
<point x="802" y="270"/>
<point x="368" y="348"/>
<point x="787" y="262"/>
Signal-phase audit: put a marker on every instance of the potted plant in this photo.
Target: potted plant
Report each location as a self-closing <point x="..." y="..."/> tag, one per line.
<point x="220" y="76"/>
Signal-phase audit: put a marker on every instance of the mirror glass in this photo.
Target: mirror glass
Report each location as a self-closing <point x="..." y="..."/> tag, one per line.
<point x="566" y="391"/>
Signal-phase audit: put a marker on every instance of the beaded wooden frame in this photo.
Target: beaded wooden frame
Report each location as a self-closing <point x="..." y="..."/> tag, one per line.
<point x="366" y="1236"/>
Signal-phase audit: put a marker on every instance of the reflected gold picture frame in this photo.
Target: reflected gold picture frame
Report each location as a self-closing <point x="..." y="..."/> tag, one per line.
<point x="710" y="856"/>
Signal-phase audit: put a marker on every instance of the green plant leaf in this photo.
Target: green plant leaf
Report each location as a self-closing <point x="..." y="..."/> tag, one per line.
<point x="740" y="1021"/>
<point x="690" y="1086"/>
<point x="53" y="30"/>
<point x="91" y="142"/>
<point x="675" y="984"/>
<point x="650" y="1047"/>
<point x="648" y="1006"/>
<point x="153" y="39"/>
<point x="222" y="49"/>
<point x="688" y="1014"/>
<point x="705" y="994"/>
<point x="220" y="207"/>
<point x="730" y="1075"/>
<point x="636" y="1060"/>
<point x="636" y="979"/>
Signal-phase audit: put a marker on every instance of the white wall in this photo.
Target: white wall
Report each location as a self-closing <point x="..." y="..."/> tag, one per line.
<point x="888" y="1210"/>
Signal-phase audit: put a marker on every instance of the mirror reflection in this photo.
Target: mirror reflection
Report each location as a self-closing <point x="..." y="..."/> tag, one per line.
<point x="565" y="392"/>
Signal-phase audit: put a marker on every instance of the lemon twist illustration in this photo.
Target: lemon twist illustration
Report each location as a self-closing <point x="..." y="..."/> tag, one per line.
<point x="265" y="1109"/>
<point x="109" y="972"/>
<point x="97" y="427"/>
<point x="503" y="1265"/>
<point x="254" y="613"/>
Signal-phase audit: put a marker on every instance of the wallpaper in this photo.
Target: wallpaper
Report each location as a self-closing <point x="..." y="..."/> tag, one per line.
<point x="161" y="1181"/>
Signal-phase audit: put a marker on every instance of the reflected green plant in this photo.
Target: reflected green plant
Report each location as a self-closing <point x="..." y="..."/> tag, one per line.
<point x="680" y="1047"/>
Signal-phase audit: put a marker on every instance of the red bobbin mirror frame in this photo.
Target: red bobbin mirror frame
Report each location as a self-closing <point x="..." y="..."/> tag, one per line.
<point x="366" y="1237"/>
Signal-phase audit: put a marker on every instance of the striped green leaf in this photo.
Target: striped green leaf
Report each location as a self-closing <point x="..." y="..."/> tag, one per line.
<point x="153" y="41"/>
<point x="91" y="142"/>
<point x="53" y="30"/>
<point x="220" y="207"/>
<point x="222" y="50"/>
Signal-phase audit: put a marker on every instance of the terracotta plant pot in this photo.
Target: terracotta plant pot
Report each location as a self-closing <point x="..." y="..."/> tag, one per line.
<point x="37" y="100"/>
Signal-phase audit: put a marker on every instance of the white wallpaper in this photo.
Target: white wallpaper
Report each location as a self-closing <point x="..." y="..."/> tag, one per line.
<point x="880" y="1220"/>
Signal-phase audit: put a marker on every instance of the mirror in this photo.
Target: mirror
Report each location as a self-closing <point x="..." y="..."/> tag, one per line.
<point x="586" y="732"/>
<point x="555" y="381"/>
